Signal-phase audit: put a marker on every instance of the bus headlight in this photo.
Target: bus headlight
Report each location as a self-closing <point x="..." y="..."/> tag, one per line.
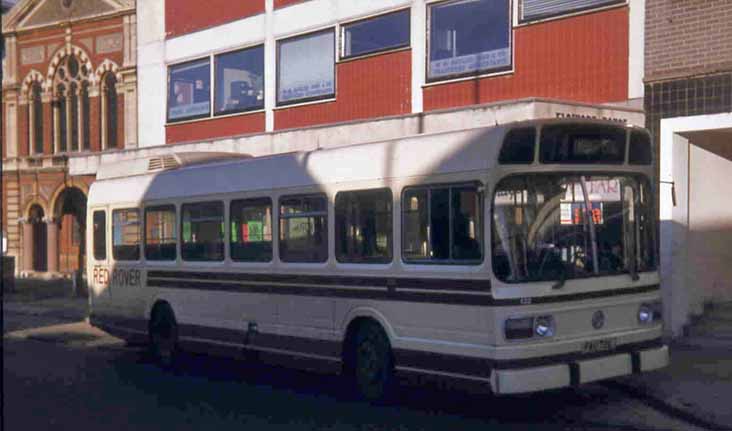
<point x="649" y="312"/>
<point x="544" y="326"/>
<point x="519" y="328"/>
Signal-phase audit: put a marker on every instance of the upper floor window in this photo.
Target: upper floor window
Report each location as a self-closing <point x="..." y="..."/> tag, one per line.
<point x="306" y="67"/>
<point x="126" y="234"/>
<point x="442" y="224"/>
<point x="70" y="106"/>
<point x="538" y="9"/>
<point x="189" y="90"/>
<point x="239" y="80"/>
<point x="468" y="37"/>
<point x="376" y="34"/>
<point x="304" y="229"/>
<point x="109" y="111"/>
<point x="35" y="117"/>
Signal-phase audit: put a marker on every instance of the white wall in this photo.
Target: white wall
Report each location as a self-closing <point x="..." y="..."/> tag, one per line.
<point x="697" y="230"/>
<point x="151" y="72"/>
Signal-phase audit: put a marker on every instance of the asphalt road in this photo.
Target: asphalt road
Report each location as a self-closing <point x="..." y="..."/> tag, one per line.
<point x="82" y="382"/>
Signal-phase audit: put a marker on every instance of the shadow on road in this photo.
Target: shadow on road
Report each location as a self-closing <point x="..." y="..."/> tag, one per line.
<point x="231" y="388"/>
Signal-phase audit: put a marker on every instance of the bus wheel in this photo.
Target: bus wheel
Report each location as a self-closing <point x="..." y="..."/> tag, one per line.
<point x="373" y="365"/>
<point x="163" y="336"/>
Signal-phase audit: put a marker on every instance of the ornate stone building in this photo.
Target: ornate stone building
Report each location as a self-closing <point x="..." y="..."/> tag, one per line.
<point x="69" y="89"/>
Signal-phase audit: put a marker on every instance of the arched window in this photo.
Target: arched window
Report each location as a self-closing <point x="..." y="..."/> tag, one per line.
<point x="35" y="116"/>
<point x="71" y="107"/>
<point x="109" y="110"/>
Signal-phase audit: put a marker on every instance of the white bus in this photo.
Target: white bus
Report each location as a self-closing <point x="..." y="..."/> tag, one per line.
<point x="521" y="256"/>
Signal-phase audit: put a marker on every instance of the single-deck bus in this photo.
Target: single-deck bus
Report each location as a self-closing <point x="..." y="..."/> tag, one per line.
<point x="521" y="256"/>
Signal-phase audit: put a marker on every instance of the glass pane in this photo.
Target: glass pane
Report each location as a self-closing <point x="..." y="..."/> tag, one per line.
<point x="306" y="67"/>
<point x="469" y="36"/>
<point x="62" y="118"/>
<point x="466" y="226"/>
<point x="251" y="230"/>
<point x="85" y="113"/>
<point x="582" y="143"/>
<point x="363" y="226"/>
<point x="126" y="234"/>
<point x="37" y="119"/>
<point x="376" y="34"/>
<point x="74" y="117"/>
<point x="100" y="235"/>
<point x="203" y="231"/>
<point x="518" y="147"/>
<point x="543" y="227"/>
<point x="303" y="229"/>
<point x="415" y="209"/>
<point x="189" y="90"/>
<point x="160" y="233"/>
<point x="440" y="223"/>
<point x="640" y="149"/>
<point x="111" y="96"/>
<point x="240" y="80"/>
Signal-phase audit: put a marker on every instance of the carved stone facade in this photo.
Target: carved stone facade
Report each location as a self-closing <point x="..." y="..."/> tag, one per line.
<point x="69" y="89"/>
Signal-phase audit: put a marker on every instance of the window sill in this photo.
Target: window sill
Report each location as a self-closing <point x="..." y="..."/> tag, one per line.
<point x="312" y="102"/>
<point x="469" y="78"/>
<point x="216" y="117"/>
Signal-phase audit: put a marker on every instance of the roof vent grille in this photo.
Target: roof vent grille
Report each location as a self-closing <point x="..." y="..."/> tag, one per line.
<point x="164" y="162"/>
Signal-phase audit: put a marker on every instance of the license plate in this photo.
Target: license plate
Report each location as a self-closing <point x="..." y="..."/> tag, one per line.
<point x="595" y="346"/>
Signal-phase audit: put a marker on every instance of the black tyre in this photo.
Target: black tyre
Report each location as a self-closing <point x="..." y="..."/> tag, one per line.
<point x="373" y="366"/>
<point x="163" y="332"/>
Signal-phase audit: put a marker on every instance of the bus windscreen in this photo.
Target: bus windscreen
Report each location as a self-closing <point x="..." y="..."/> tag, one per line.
<point x="550" y="227"/>
<point x="582" y="143"/>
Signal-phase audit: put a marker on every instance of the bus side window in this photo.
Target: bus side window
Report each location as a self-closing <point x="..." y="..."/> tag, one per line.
<point x="160" y="233"/>
<point x="202" y="231"/>
<point x="304" y="229"/>
<point x="518" y="147"/>
<point x="126" y="234"/>
<point x="251" y="230"/>
<point x="100" y="235"/>
<point x="442" y="224"/>
<point x="363" y="231"/>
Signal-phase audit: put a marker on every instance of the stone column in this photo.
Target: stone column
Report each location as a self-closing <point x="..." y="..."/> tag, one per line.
<point x="48" y="144"/>
<point x="27" y="249"/>
<point x="51" y="244"/>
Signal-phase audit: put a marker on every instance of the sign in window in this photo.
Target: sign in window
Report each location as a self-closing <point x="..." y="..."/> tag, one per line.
<point x="306" y="68"/>
<point x="189" y="90"/>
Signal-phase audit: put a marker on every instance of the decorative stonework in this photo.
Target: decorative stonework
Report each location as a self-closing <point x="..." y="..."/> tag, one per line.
<point x="109" y="43"/>
<point x="46" y="191"/>
<point x="31" y="77"/>
<point x="88" y="43"/>
<point x="32" y="55"/>
<point x="51" y="48"/>
<point x="61" y="54"/>
<point x="26" y="191"/>
<point x="108" y="66"/>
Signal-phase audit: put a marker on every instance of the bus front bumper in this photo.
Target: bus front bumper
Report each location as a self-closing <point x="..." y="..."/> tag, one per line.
<point x="515" y="381"/>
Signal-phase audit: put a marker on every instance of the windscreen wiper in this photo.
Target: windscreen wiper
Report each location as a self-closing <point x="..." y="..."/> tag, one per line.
<point x="562" y="278"/>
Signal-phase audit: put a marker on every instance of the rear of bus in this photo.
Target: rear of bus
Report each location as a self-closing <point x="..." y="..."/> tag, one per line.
<point x="574" y="256"/>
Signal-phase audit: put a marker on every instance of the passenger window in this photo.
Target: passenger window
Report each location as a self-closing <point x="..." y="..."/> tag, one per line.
<point x="640" y="149"/>
<point x="518" y="147"/>
<point x="363" y="226"/>
<point x="160" y="233"/>
<point x="251" y="230"/>
<point x="442" y="224"/>
<point x="304" y="229"/>
<point x="100" y="235"/>
<point x="126" y="234"/>
<point x="202" y="230"/>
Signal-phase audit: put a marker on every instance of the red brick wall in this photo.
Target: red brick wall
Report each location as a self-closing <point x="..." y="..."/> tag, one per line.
<point x="687" y="37"/>
<point x="47" y="128"/>
<point x="283" y="3"/>
<point x="215" y="128"/>
<point x="186" y="16"/>
<point x="582" y="58"/>
<point x="120" y="120"/>
<point x="95" y="126"/>
<point x="22" y="130"/>
<point x="371" y="87"/>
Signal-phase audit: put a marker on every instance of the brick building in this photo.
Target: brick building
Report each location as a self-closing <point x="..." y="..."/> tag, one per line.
<point x="688" y="103"/>
<point x="68" y="88"/>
